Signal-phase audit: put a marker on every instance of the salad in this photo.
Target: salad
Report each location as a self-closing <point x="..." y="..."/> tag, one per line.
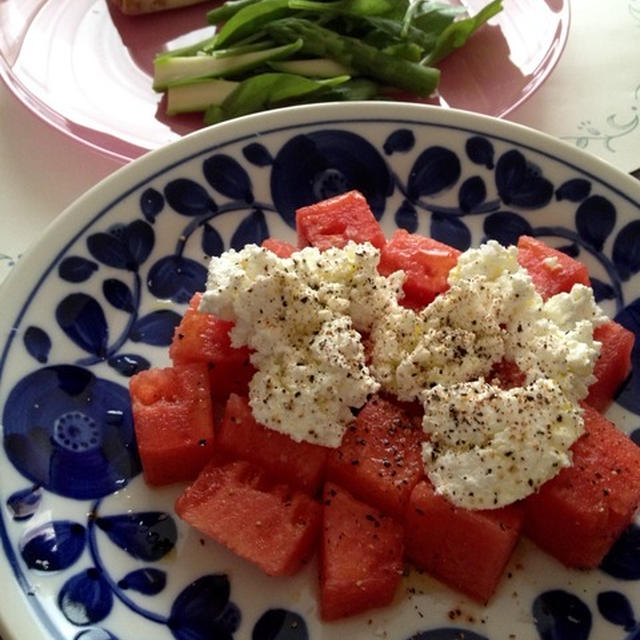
<point x="372" y="498"/>
<point x="271" y="53"/>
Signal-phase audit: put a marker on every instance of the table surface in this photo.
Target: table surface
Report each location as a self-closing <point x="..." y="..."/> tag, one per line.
<point x="591" y="99"/>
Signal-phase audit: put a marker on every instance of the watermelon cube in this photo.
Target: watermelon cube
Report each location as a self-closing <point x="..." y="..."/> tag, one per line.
<point x="360" y="555"/>
<point x="203" y="337"/>
<point x="551" y="270"/>
<point x="335" y="221"/>
<point x="173" y="421"/>
<point x="467" y="550"/>
<point x="240" y="436"/>
<point x="613" y="365"/>
<point x="577" y="515"/>
<point x="242" y="508"/>
<point x="281" y="248"/>
<point x="506" y="374"/>
<point x="380" y="459"/>
<point x="426" y="263"/>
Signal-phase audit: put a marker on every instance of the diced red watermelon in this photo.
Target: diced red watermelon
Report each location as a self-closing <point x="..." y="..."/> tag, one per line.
<point x="335" y="221"/>
<point x="281" y="248"/>
<point x="613" y="364"/>
<point x="577" y="515"/>
<point x="425" y="261"/>
<point x="551" y="270"/>
<point x="506" y="374"/>
<point x="380" y="458"/>
<point x="239" y="436"/>
<point x="241" y="507"/>
<point x="467" y="550"/>
<point x="203" y="337"/>
<point x="173" y="421"/>
<point x="360" y="556"/>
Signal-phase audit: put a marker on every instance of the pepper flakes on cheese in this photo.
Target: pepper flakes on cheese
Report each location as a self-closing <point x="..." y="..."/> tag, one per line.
<point x="304" y="316"/>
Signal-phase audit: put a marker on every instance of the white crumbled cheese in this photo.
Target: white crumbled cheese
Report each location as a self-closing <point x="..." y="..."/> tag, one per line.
<point x="559" y="343"/>
<point x="304" y="317"/>
<point x="444" y="355"/>
<point x="552" y="263"/>
<point x="536" y="424"/>
<point x="489" y="447"/>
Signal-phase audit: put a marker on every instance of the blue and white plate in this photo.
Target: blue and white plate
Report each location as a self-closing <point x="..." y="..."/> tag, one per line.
<point x="88" y="551"/>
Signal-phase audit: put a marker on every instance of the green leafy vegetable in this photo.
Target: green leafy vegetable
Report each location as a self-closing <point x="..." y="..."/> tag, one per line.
<point x="268" y="53"/>
<point x="198" y="95"/>
<point x="458" y="32"/>
<point x="251" y="19"/>
<point x="265" y="91"/>
<point x="367" y="60"/>
<point x="346" y="7"/>
<point x="227" y="10"/>
<point x="175" y="70"/>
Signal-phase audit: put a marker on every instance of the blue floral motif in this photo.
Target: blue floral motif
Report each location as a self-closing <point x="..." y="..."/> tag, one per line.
<point x="118" y="294"/>
<point x="629" y="395"/>
<point x="560" y="615"/>
<point x="212" y="243"/>
<point x="85" y="598"/>
<point x="506" y="227"/>
<point x="520" y="183"/>
<point x="203" y="610"/>
<point x="227" y="176"/>
<point x="95" y="633"/>
<point x="399" y="141"/>
<point x="407" y="217"/>
<point x="24" y="503"/>
<point x="53" y="546"/>
<point x="617" y="609"/>
<point x="76" y="269"/>
<point x="189" y="198"/>
<point x="37" y="343"/>
<point x="148" y="581"/>
<point x="435" y="170"/>
<point x="450" y="230"/>
<point x="176" y="278"/>
<point x="123" y="246"/>
<point x="251" y="230"/>
<point x="574" y="190"/>
<point x="81" y="317"/>
<point x="480" y="150"/>
<point x="146" y="536"/>
<point x="321" y="164"/>
<point x="595" y="220"/>
<point x="257" y="155"/>
<point x="623" y="559"/>
<point x="626" y="250"/>
<point x="280" y="624"/>
<point x="151" y="204"/>
<point x="71" y="432"/>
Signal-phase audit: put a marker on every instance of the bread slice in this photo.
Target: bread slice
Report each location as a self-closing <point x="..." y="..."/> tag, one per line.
<point x="134" y="7"/>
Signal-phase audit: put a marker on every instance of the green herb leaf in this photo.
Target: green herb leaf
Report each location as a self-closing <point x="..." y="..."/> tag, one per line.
<point x="458" y="32"/>
<point x="266" y="91"/>
<point x="251" y="19"/>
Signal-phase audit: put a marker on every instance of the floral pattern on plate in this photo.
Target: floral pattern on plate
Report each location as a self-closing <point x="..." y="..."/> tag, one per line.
<point x="97" y="551"/>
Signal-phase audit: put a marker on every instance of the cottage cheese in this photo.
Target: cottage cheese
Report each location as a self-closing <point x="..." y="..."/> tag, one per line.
<point x="488" y="446"/>
<point x="304" y="316"/>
